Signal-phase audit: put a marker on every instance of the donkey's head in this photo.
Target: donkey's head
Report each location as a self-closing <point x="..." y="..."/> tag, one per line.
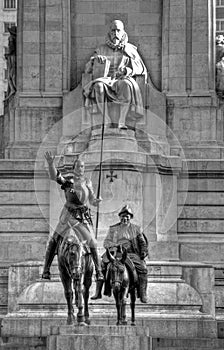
<point x="118" y="272"/>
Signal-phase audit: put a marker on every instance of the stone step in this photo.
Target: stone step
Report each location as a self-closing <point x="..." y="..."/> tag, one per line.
<point x="187" y="344"/>
<point x="101" y="329"/>
<point x="28" y="343"/>
<point x="90" y="342"/>
<point x="184" y="347"/>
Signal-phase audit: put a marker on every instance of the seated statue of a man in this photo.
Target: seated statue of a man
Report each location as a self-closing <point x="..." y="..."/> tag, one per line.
<point x="130" y="237"/>
<point x="117" y="85"/>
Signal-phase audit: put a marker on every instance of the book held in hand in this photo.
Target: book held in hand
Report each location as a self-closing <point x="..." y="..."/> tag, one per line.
<point x="100" y="69"/>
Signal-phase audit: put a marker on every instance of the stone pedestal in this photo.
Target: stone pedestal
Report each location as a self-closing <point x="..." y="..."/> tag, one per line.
<point x="99" y="337"/>
<point x="114" y="139"/>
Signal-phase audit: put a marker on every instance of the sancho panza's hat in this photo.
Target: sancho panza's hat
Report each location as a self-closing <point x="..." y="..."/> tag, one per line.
<point x="126" y="209"/>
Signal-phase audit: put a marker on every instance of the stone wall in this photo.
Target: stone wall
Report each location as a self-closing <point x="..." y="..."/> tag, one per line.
<point x="24" y="223"/>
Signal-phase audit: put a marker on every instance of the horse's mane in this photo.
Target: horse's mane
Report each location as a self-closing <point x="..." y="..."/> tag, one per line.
<point x="71" y="238"/>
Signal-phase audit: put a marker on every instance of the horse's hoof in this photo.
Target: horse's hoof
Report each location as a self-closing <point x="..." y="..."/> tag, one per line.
<point x="133" y="324"/>
<point x="82" y="324"/>
<point x="87" y="322"/>
<point x="70" y="322"/>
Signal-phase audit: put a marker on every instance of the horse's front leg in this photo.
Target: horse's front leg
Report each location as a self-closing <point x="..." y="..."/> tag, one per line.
<point x="132" y="304"/>
<point x="67" y="283"/>
<point x="77" y="283"/>
<point x="86" y="288"/>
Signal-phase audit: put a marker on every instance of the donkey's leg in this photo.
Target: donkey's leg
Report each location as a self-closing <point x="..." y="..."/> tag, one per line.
<point x="123" y="307"/>
<point x="132" y="304"/>
<point x="118" y="306"/>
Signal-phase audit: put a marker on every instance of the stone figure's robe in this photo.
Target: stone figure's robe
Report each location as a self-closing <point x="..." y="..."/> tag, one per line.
<point x="119" y="59"/>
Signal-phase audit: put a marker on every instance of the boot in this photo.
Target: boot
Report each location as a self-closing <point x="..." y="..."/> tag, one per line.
<point x="49" y="257"/>
<point x="143" y="287"/>
<point x="99" y="286"/>
<point x="97" y="263"/>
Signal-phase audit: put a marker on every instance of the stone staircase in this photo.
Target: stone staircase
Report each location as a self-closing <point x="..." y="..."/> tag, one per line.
<point x="187" y="344"/>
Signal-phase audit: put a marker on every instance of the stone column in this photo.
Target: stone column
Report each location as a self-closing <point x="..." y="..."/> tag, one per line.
<point x="188" y="76"/>
<point x="188" y="47"/>
<point x="43" y="74"/>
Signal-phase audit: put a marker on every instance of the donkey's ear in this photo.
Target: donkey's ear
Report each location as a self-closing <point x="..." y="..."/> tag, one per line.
<point x="124" y="255"/>
<point x="110" y="257"/>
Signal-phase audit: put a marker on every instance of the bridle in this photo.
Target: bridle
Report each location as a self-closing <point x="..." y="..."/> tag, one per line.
<point x="118" y="268"/>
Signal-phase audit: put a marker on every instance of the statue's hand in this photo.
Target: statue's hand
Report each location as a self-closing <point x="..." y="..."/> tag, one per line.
<point x="98" y="200"/>
<point x="101" y="58"/>
<point x="121" y="73"/>
<point x="49" y="158"/>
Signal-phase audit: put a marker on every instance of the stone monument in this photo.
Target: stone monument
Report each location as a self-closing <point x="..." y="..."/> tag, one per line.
<point x="167" y="165"/>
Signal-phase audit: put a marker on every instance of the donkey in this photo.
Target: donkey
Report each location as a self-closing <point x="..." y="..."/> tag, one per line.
<point x="76" y="270"/>
<point x="120" y="282"/>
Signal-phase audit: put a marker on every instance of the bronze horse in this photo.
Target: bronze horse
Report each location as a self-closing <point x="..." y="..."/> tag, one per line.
<point x="121" y="285"/>
<point x="76" y="270"/>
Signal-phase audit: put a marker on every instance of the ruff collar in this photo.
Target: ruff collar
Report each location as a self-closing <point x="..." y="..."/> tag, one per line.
<point x="120" y="45"/>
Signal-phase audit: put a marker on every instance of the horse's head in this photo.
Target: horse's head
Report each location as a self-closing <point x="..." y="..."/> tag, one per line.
<point x="74" y="251"/>
<point x="118" y="272"/>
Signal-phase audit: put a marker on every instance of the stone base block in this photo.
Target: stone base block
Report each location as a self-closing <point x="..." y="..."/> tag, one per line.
<point x="99" y="337"/>
<point x="189" y="344"/>
<point x="155" y="323"/>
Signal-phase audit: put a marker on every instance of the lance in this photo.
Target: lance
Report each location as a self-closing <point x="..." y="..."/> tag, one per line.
<point x="100" y="166"/>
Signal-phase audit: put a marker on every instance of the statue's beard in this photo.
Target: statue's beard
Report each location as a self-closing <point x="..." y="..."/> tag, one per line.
<point x="116" y="41"/>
